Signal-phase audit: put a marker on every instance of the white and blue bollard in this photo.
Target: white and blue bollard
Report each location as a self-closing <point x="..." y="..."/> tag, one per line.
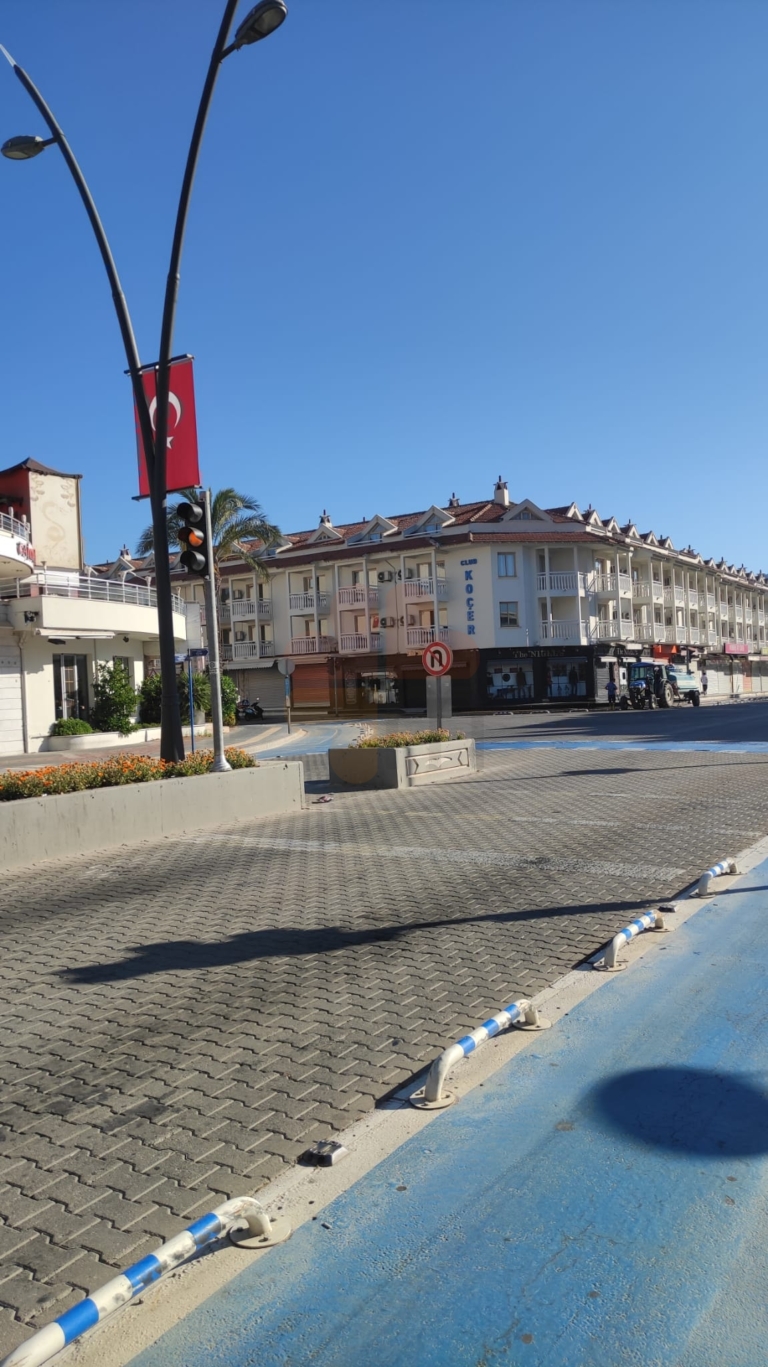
<point x="725" y="866"/>
<point x="432" y="1097"/>
<point x="650" y="920"/>
<point x="261" y="1232"/>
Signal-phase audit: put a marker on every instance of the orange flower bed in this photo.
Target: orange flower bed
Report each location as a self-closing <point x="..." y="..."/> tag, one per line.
<point x="53" y="779"/>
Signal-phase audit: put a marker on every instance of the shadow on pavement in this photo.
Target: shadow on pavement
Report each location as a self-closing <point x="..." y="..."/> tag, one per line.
<point x="685" y="1110"/>
<point x="173" y="956"/>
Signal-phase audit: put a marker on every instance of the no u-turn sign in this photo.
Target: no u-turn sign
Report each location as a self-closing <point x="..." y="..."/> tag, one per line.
<point x="437" y="658"/>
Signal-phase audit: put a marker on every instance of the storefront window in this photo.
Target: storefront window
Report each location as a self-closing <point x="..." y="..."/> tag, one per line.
<point x="70" y="686"/>
<point x="381" y="689"/>
<point x="566" y="678"/>
<point x="510" y="680"/>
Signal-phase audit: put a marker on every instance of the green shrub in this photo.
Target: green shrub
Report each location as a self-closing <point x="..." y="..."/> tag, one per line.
<point x="201" y="694"/>
<point x="229" y="700"/>
<point x="71" y="726"/>
<point x="396" y="739"/>
<point x="150" y="694"/>
<point x="114" y="704"/>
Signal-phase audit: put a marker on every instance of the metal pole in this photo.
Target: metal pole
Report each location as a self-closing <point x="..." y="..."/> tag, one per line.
<point x="158" y="484"/>
<point x="288" y="701"/>
<point x="220" y="763"/>
<point x="171" y="744"/>
<point x="439" y="701"/>
<point x="191" y="704"/>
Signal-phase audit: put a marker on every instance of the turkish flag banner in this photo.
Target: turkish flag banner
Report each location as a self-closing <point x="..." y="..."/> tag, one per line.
<point x="183" y="468"/>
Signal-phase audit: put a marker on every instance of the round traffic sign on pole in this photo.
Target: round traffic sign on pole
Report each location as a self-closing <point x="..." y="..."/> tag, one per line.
<point x="437" y="658"/>
<point x="286" y="666"/>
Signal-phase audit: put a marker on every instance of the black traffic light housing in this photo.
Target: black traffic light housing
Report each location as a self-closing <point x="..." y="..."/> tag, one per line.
<point x="192" y="537"/>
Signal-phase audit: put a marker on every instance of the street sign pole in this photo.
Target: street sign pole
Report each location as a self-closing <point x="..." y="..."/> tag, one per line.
<point x="437" y="660"/>
<point x="190" y="696"/>
<point x="439" y="699"/>
<point x="288" y="701"/>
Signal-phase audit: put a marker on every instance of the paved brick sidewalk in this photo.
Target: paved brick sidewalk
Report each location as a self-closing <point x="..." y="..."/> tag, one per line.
<point x="181" y="1018"/>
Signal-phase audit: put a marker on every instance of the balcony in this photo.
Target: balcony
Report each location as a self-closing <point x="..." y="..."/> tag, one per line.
<point x="608" y="583"/>
<point x="248" y="650"/>
<point x="357" y="594"/>
<point x="359" y="641"/>
<point x="641" y="588"/>
<point x="305" y="602"/>
<point x="251" y="608"/>
<point x="566" y="630"/>
<point x="426" y="636"/>
<point x="92" y="587"/>
<point x="313" y="645"/>
<point x="713" y="638"/>
<point x="16" y="555"/>
<point x="710" y="602"/>
<point x="605" y="630"/>
<point x="566" y="582"/>
<point x="693" y="598"/>
<point x="425" y="588"/>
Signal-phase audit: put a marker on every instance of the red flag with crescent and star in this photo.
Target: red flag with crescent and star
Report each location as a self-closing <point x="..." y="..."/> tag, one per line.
<point x="183" y="467"/>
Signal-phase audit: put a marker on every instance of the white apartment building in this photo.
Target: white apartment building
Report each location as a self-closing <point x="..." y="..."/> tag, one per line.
<point x="59" y="618"/>
<point x="535" y="603"/>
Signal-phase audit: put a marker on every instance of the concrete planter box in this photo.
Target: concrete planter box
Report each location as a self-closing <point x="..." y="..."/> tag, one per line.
<point x="407" y="766"/>
<point x="35" y="828"/>
<point x="112" y="740"/>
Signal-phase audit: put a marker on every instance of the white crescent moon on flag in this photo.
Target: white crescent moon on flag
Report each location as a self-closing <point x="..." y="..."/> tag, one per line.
<point x="175" y="405"/>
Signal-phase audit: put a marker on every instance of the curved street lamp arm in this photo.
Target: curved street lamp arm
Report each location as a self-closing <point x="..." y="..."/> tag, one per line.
<point x="172" y="283"/>
<point x="118" y="298"/>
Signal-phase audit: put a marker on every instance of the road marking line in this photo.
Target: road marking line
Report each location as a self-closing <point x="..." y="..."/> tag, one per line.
<point x="448" y="856"/>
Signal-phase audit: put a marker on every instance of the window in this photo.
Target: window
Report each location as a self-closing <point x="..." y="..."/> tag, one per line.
<point x="70" y="686"/>
<point x="506" y="565"/>
<point x="510" y="680"/>
<point x="125" y="661"/>
<point x="508" y="615"/>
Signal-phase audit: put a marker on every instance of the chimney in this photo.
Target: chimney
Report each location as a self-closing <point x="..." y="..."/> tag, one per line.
<point x="501" y="493"/>
<point x="454" y="501"/>
<point x="325" y="520"/>
<point x="125" y="553"/>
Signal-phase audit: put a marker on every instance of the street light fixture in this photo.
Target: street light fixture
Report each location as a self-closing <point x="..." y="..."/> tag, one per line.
<point x="24" y="148"/>
<point x="262" y="20"/>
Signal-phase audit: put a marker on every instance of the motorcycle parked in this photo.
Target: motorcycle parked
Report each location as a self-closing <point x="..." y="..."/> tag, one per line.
<point x="249" y="711"/>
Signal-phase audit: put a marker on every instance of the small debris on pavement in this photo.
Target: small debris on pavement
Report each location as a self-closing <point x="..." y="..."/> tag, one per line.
<point x="324" y="1153"/>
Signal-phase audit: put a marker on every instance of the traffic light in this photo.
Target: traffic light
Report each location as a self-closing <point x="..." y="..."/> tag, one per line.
<point x="192" y="538"/>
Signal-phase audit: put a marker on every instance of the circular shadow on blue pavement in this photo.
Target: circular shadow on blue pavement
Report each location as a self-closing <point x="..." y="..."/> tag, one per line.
<point x="685" y="1110"/>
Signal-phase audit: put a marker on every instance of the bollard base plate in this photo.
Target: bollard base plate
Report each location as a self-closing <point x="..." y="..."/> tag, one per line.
<point x="420" y="1102"/>
<point x="603" y="968"/>
<point x="280" y="1231"/>
<point x="541" y="1024"/>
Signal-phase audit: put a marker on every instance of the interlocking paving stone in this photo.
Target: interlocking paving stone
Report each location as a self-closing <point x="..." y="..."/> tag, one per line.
<point x="182" y="1018"/>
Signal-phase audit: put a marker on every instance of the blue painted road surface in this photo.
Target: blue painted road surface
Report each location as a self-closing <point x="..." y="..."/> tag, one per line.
<point x="746" y="747"/>
<point x="601" y="1200"/>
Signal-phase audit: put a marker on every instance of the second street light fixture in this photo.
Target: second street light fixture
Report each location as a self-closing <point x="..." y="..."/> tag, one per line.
<point x="262" y="20"/>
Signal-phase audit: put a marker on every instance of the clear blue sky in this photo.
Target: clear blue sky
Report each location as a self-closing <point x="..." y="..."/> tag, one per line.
<point x="431" y="241"/>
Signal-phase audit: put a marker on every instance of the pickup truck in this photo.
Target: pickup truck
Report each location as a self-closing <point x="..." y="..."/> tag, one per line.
<point x="653" y="684"/>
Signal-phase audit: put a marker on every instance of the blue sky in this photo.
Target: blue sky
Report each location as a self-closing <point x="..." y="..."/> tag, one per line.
<point x="430" y="242"/>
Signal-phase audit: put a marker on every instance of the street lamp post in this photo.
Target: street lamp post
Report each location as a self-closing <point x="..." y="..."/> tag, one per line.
<point x="262" y="20"/>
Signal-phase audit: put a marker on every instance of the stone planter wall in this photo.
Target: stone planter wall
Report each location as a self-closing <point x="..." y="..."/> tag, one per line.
<point x="36" y="828"/>
<point x="112" y="740"/>
<point x="407" y="766"/>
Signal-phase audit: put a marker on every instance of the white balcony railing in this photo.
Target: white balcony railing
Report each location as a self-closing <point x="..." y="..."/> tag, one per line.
<point x="644" y="631"/>
<point x="560" y="631"/>
<point x="669" y="597"/>
<point x="425" y="588"/>
<point x="608" y="583"/>
<point x="559" y="582"/>
<point x="641" y="588"/>
<point x="424" y="636"/>
<point x="693" y="598"/>
<point x="713" y="637"/>
<point x="359" y="641"/>
<point x="313" y="645"/>
<point x="12" y="525"/>
<point x="604" y="630"/>
<point x="243" y="607"/>
<point x="305" y="602"/>
<point x="357" y="594"/>
<point x="710" y="602"/>
<point x="94" y="588"/>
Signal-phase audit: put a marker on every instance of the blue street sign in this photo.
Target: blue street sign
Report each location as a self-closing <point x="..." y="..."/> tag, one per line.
<point x="197" y="652"/>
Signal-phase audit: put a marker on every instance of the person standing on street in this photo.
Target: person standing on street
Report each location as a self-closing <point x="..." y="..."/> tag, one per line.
<point x="610" y="689"/>
<point x="704" y="683"/>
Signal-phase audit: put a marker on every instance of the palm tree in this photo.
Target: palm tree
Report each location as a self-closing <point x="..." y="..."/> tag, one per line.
<point x="235" y="519"/>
